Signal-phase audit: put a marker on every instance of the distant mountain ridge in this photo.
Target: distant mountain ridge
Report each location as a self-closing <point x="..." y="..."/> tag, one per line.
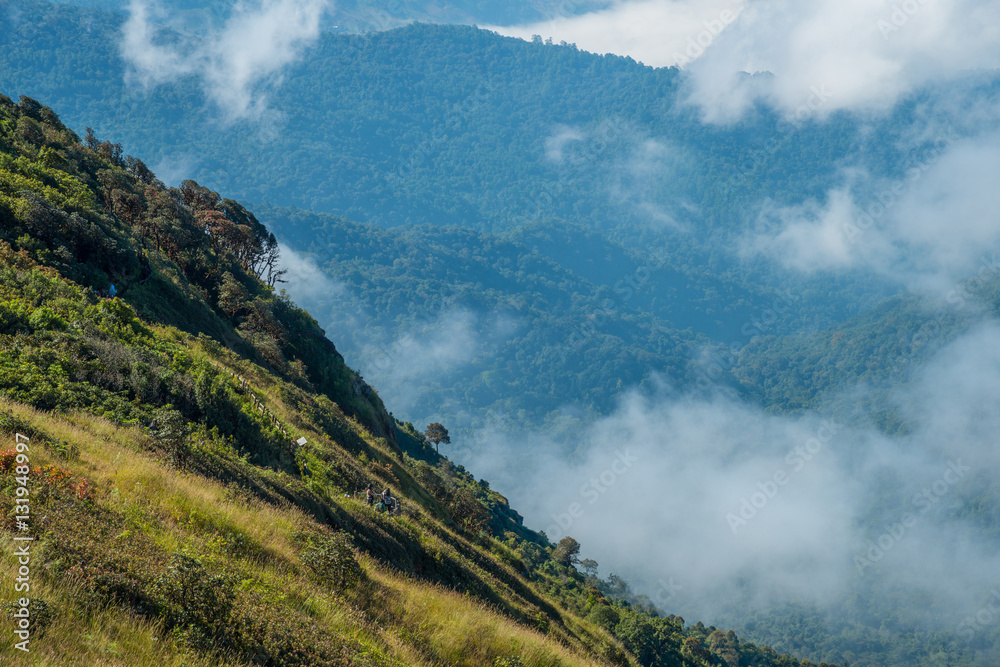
<point x="367" y="15"/>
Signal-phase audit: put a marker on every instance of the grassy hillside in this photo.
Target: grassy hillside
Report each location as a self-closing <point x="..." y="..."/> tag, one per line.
<point x="174" y="519"/>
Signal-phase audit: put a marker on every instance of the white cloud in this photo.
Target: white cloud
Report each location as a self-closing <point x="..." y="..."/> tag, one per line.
<point x="175" y="167"/>
<point x="655" y="32"/>
<point x="448" y="342"/>
<point x="635" y="181"/>
<point x="865" y="53"/>
<point x="926" y="231"/>
<point x="409" y="369"/>
<point x="949" y="219"/>
<point x="234" y="62"/>
<point x="726" y="500"/>
<point x="810" y="237"/>
<point x="862" y="54"/>
<point x="818" y="241"/>
<point x="556" y="144"/>
<point x="305" y="281"/>
<point x="339" y="312"/>
<point x="632" y="165"/>
<point x="153" y="64"/>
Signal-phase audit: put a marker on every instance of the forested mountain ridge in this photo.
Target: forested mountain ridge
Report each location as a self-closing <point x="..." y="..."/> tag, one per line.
<point x="453" y="127"/>
<point x="504" y="98"/>
<point x="450" y="125"/>
<point x="366" y="15"/>
<point x="172" y="514"/>
<point x="563" y="338"/>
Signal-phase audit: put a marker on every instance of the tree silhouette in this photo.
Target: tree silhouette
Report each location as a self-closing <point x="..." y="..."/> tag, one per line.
<point x="566" y="551"/>
<point x="437" y="434"/>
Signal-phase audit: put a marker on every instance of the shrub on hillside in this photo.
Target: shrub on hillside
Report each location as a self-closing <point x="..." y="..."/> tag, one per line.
<point x="170" y="430"/>
<point x="196" y="604"/>
<point x="512" y="661"/>
<point x="330" y="556"/>
<point x="108" y="560"/>
<point x="42" y="614"/>
<point x="605" y="616"/>
<point x="277" y="638"/>
<point x="46" y="319"/>
<point x="11" y="316"/>
<point x="11" y="423"/>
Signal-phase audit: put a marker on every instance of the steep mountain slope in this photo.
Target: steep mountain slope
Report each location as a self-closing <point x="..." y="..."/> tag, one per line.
<point x="206" y="536"/>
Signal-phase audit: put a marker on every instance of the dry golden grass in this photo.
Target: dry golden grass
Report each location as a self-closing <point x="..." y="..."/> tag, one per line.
<point x="109" y="637"/>
<point x="433" y="625"/>
<point x="398" y="620"/>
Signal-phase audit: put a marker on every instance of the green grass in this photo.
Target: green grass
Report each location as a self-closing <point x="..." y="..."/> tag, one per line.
<point x="394" y="618"/>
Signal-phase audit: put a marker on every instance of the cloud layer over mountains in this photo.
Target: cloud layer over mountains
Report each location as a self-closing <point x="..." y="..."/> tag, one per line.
<point x="711" y="503"/>
<point x="235" y="62"/>
<point x="861" y="55"/>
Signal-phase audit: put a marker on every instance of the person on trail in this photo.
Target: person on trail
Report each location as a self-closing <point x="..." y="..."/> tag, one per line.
<point x="369" y="495"/>
<point x="388" y="501"/>
<point x="113" y="292"/>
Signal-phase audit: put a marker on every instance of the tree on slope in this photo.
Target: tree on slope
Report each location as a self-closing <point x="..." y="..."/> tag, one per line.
<point x="437" y="434"/>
